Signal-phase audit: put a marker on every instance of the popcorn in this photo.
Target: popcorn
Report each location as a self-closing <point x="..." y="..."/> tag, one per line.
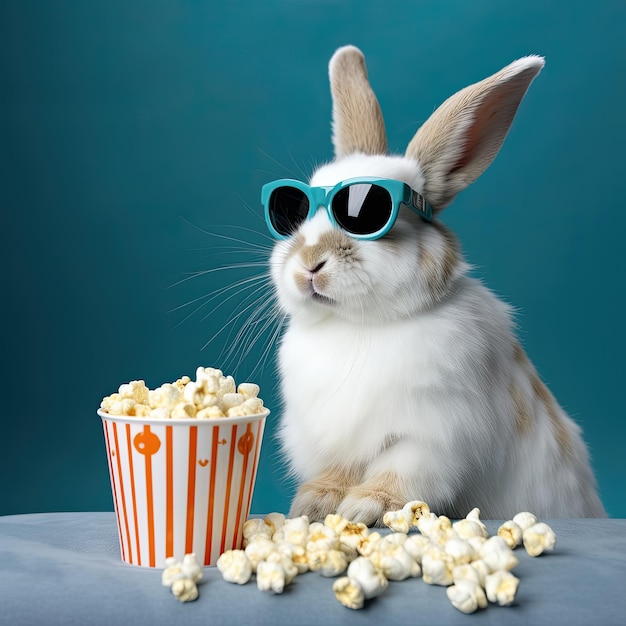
<point x="471" y="526"/>
<point x="235" y="566"/>
<point x="473" y="566"/>
<point x="525" y="520"/>
<point x="349" y="592"/>
<point x="370" y="579"/>
<point x="497" y="554"/>
<point x="295" y="531"/>
<point x="461" y="551"/>
<point x="212" y="395"/>
<point x="182" y="577"/>
<point x="394" y="561"/>
<point x="511" y="532"/>
<point x="466" y="596"/>
<point x="254" y="527"/>
<point x="501" y="587"/>
<point x="185" y="590"/>
<point x="259" y="549"/>
<point x="437" y="567"/>
<point x="397" y="521"/>
<point x="334" y="563"/>
<point x="271" y="576"/>
<point x="538" y="539"/>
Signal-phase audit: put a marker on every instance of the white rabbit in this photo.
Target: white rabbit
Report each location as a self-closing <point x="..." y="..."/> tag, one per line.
<point x="401" y="376"/>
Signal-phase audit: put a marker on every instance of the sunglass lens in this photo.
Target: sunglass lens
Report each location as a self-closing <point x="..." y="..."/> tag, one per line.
<point x="362" y="209"/>
<point x="288" y="208"/>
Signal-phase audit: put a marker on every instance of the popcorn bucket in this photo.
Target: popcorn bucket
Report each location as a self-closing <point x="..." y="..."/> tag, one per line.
<point x="181" y="485"/>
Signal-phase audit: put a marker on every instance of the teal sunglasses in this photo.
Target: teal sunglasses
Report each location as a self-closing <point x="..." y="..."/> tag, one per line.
<point x="365" y="208"/>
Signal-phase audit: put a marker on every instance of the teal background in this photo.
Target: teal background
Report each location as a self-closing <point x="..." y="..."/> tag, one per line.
<point x="133" y="132"/>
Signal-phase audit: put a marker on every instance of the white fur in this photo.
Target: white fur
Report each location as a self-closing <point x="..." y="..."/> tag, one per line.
<point x="385" y="377"/>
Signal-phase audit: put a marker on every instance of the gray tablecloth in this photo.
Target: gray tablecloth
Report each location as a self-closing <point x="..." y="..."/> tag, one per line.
<point x="65" y="568"/>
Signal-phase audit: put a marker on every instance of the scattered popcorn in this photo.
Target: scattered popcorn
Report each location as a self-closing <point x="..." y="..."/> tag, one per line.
<point x="538" y="539"/>
<point x="271" y="576"/>
<point x="524" y="520"/>
<point x="471" y="526"/>
<point x="259" y="549"/>
<point x="235" y="566"/>
<point x="255" y="527"/>
<point x="273" y="520"/>
<point x="466" y="596"/>
<point x="334" y="564"/>
<point x="371" y="580"/>
<point x="416" y="546"/>
<point x="437" y="529"/>
<point x="511" y="532"/>
<point x="414" y="510"/>
<point x="295" y="531"/>
<point x="336" y="522"/>
<point x="437" y="567"/>
<point x="461" y="551"/>
<point x="501" y="587"/>
<point x="211" y="395"/>
<point x="182" y="577"/>
<point x="497" y="554"/>
<point x="354" y="534"/>
<point x="473" y="566"/>
<point x="394" y="561"/>
<point x="349" y="592"/>
<point x="397" y="521"/>
<point x="185" y="590"/>
<point x="322" y="537"/>
<point x="467" y="572"/>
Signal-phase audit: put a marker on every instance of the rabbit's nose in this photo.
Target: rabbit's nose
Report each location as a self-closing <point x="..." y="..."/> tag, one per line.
<point x="318" y="267"/>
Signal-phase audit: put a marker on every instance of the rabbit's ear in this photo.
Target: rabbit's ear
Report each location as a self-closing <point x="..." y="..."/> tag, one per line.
<point x="358" y="124"/>
<point x="461" y="138"/>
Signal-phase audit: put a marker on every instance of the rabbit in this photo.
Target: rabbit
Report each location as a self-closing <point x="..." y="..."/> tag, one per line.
<point x="401" y="377"/>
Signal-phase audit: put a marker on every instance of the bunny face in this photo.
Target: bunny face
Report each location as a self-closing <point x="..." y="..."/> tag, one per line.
<point x="322" y="271"/>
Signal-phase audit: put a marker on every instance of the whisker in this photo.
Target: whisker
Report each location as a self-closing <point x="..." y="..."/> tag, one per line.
<point x="217" y="292"/>
<point x="213" y="270"/>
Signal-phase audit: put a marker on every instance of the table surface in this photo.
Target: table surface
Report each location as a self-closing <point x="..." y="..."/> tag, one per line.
<point x="65" y="568"/>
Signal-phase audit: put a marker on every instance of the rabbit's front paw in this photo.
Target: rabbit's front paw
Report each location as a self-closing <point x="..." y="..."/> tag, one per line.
<point x="315" y="501"/>
<point x="321" y="496"/>
<point x="367" y="503"/>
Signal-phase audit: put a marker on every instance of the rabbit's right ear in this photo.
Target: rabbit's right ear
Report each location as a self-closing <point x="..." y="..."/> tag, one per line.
<point x="458" y="142"/>
<point x="358" y="124"/>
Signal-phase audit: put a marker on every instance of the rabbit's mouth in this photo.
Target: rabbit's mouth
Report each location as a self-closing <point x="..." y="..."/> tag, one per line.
<point x="318" y="297"/>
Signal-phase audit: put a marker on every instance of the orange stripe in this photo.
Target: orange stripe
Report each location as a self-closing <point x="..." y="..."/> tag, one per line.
<point x="242" y="486"/>
<point x="132" y="490"/>
<point x="191" y="487"/>
<point x="150" y="503"/>
<point x="233" y="445"/>
<point x="254" y="466"/>
<point x="119" y="469"/>
<point x="169" y="494"/>
<point x="209" y="526"/>
<point x="117" y="513"/>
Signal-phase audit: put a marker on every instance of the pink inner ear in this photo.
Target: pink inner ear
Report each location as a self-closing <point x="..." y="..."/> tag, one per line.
<point x="484" y="136"/>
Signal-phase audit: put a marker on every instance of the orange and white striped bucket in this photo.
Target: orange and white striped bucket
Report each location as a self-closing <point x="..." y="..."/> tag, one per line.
<point x="181" y="486"/>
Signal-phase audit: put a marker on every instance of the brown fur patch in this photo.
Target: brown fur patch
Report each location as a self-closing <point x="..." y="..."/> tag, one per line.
<point x="523" y="418"/>
<point x="321" y="496"/>
<point x="439" y="271"/>
<point x="332" y="242"/>
<point x="385" y="488"/>
<point x="358" y="123"/>
<point x="560" y="432"/>
<point x="519" y="356"/>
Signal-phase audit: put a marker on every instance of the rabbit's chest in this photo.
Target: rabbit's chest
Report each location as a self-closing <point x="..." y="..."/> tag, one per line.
<point x="347" y="391"/>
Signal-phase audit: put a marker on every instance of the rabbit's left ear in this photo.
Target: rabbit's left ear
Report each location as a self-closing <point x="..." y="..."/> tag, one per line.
<point x="358" y="124"/>
<point x="458" y="142"/>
